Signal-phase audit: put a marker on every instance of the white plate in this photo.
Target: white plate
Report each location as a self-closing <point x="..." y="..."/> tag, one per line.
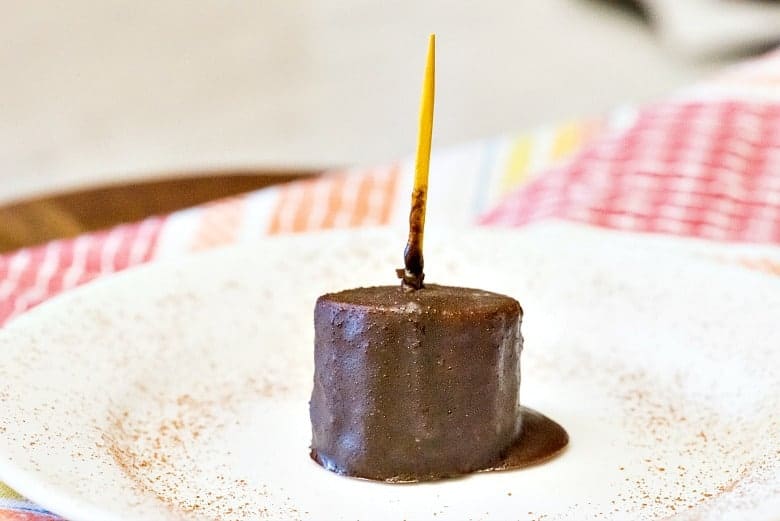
<point x="180" y="390"/>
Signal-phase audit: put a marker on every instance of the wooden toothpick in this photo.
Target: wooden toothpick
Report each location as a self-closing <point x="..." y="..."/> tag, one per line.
<point x="412" y="275"/>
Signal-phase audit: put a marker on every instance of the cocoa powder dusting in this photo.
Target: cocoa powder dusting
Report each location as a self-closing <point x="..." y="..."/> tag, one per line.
<point x="153" y="450"/>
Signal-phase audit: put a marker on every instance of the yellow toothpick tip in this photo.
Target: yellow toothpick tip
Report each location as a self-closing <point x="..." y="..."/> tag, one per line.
<point x="426" y="118"/>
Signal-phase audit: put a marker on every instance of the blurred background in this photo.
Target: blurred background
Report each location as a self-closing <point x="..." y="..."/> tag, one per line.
<point x="111" y="91"/>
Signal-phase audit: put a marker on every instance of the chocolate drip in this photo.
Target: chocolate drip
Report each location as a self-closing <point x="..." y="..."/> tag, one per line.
<point x="412" y="274"/>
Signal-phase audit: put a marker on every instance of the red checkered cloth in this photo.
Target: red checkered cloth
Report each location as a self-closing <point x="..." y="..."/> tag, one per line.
<point x="696" y="169"/>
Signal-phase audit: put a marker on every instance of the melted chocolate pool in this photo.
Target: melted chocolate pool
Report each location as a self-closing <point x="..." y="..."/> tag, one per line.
<point x="540" y="440"/>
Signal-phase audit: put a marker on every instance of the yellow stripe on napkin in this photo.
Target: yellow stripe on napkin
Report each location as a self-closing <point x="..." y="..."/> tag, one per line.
<point x="7" y="493"/>
<point x="568" y="139"/>
<point x="517" y="164"/>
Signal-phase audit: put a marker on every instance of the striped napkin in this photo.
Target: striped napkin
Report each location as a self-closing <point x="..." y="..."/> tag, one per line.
<point x="699" y="172"/>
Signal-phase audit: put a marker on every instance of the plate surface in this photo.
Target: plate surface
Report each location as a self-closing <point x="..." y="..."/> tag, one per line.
<point x="180" y="390"/>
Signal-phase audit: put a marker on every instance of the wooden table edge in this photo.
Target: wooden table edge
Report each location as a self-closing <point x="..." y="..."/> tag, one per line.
<point x="67" y="214"/>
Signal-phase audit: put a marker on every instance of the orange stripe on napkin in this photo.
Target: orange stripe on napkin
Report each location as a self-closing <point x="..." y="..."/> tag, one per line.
<point x="294" y="204"/>
<point x="219" y="224"/>
<point x="363" y="201"/>
<point x="341" y="200"/>
<point x="335" y="196"/>
<point x="765" y="265"/>
<point x="305" y="204"/>
<point x="391" y="177"/>
<point x="275" y="226"/>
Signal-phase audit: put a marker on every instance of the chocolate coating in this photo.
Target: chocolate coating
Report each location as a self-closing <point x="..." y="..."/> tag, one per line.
<point x="415" y="385"/>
